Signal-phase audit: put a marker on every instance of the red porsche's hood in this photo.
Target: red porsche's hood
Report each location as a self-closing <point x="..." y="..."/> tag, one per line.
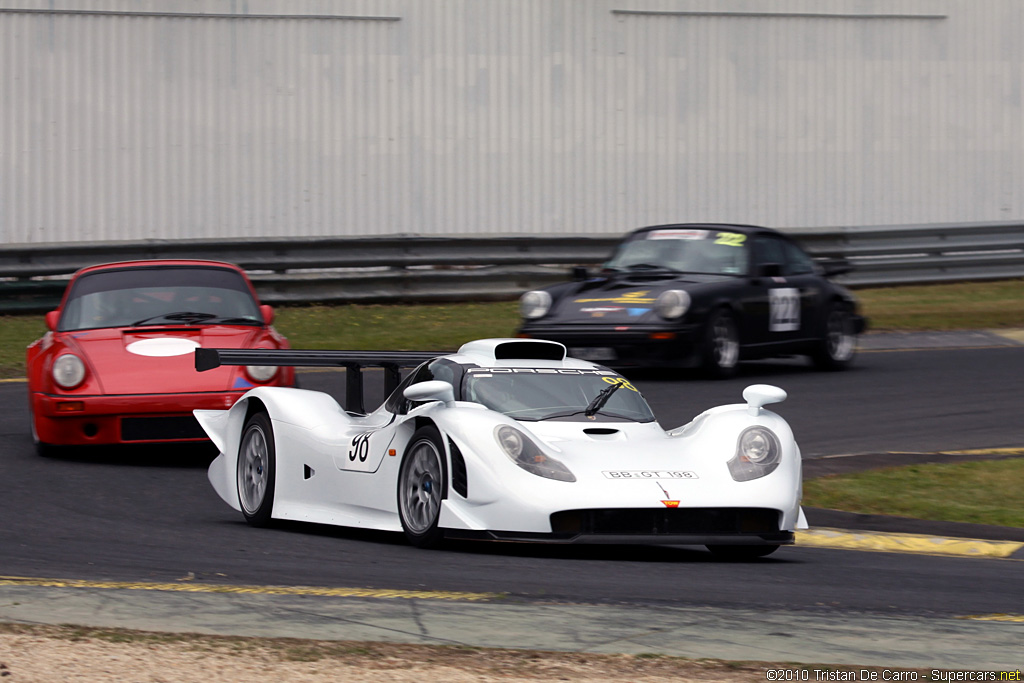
<point x="161" y="360"/>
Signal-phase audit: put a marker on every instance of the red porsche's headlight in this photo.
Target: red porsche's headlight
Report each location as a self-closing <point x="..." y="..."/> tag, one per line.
<point x="261" y="373"/>
<point x="68" y="371"/>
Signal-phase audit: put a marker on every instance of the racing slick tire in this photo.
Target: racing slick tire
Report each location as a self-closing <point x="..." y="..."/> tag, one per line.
<point x="836" y="349"/>
<point x="741" y="553"/>
<point x="422" y="485"/>
<point x="256" y="470"/>
<point x="721" y="352"/>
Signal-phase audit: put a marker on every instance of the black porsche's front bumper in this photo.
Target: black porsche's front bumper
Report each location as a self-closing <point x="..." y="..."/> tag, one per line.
<point x="629" y="345"/>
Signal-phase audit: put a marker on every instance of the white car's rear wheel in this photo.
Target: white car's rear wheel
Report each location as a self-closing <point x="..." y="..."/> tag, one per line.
<point x="422" y="485"/>
<point x="256" y="470"/>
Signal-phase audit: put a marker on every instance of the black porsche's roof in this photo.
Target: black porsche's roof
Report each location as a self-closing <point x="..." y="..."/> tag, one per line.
<point x="734" y="227"/>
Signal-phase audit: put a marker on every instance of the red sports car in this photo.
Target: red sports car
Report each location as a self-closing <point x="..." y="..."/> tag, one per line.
<point x="116" y="365"/>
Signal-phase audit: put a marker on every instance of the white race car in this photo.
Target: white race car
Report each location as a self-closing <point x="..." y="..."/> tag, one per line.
<point x="507" y="439"/>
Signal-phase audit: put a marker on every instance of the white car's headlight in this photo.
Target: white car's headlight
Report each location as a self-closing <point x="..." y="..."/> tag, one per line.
<point x="672" y="304"/>
<point x="757" y="454"/>
<point x="68" y="371"/>
<point x="535" y="304"/>
<point x="524" y="452"/>
<point x="261" y="373"/>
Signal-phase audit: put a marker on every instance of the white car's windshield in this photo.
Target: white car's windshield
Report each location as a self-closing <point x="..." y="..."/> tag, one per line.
<point x="159" y="296"/>
<point x="550" y="393"/>
<point x="718" y="252"/>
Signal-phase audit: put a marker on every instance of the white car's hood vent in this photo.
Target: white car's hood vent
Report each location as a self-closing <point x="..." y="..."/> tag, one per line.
<point x="604" y="433"/>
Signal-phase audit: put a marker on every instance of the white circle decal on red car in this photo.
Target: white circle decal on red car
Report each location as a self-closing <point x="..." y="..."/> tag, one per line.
<point x="162" y="347"/>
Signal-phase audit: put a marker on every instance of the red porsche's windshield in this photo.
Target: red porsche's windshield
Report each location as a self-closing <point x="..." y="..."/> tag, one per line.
<point x="163" y="295"/>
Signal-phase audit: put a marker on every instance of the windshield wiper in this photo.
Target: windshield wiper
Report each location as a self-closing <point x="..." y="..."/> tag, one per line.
<point x="180" y="316"/>
<point x="601" y="399"/>
<point x="232" y="321"/>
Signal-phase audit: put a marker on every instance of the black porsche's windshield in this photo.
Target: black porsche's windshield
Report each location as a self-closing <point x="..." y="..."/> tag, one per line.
<point x="717" y="252"/>
<point x="132" y="297"/>
<point x="554" y="393"/>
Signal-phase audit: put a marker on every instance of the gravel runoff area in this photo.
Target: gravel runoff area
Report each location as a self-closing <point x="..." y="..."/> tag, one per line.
<point x="52" y="654"/>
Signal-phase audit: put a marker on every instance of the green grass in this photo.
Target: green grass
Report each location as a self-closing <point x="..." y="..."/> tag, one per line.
<point x="17" y="332"/>
<point x="963" y="306"/>
<point x="431" y="327"/>
<point x="428" y="327"/>
<point x="982" y="492"/>
<point x="445" y="327"/>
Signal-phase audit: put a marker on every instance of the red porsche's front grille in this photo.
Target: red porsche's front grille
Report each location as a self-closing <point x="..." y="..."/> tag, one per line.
<point x="161" y="428"/>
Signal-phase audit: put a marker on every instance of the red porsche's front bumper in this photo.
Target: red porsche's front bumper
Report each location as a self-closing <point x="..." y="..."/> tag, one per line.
<point x="84" y="420"/>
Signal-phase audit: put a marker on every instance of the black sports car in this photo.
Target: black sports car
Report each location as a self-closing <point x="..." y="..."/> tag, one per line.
<point x="700" y="294"/>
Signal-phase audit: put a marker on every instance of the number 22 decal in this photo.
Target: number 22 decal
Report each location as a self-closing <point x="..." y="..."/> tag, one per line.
<point x="784" y="309"/>
<point x="731" y="239"/>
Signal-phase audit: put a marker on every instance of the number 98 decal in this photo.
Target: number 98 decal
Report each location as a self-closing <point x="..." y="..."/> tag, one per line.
<point x="783" y="309"/>
<point x="360" y="447"/>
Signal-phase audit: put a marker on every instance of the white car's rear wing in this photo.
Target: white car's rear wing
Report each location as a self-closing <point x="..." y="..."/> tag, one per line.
<point x="353" y="361"/>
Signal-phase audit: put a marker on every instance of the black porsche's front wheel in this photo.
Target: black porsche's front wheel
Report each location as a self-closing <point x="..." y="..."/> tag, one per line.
<point x="721" y="353"/>
<point x="256" y="470"/>
<point x="421" y="487"/>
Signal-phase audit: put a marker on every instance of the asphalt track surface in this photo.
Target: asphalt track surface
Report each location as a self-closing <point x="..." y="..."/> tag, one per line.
<point x="137" y="538"/>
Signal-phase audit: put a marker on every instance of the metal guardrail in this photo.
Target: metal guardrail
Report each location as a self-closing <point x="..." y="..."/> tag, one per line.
<point x="920" y="254"/>
<point x="410" y="268"/>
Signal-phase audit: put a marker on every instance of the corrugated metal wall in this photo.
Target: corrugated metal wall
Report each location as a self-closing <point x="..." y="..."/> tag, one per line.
<point x="131" y="119"/>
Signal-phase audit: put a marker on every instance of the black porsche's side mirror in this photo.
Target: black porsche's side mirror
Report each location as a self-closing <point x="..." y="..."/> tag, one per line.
<point x="579" y="273"/>
<point x="769" y="270"/>
<point x="834" y="267"/>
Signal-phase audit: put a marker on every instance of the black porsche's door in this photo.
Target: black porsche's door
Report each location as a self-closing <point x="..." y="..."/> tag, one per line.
<point x="785" y="291"/>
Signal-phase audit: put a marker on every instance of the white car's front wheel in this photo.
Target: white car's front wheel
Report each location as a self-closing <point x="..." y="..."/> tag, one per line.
<point x="422" y="485"/>
<point x="256" y="470"/>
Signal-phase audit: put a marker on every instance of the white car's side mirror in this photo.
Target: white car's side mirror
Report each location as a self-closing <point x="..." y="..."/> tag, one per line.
<point x="760" y="395"/>
<point x="434" y="390"/>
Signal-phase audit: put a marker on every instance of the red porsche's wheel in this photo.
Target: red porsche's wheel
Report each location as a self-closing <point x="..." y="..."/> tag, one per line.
<point x="42" y="448"/>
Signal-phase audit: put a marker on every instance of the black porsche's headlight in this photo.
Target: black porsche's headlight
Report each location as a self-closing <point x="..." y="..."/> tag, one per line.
<point x="535" y="304"/>
<point x="672" y="304"/>
<point x="524" y="452"/>
<point x="758" y="453"/>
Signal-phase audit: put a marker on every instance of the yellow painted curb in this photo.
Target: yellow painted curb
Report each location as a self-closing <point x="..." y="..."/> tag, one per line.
<point x="904" y="543"/>
<point x="1018" y="618"/>
<point x="185" y="587"/>
<point x="1012" y="335"/>
<point x="13" y="380"/>
<point x="987" y="451"/>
